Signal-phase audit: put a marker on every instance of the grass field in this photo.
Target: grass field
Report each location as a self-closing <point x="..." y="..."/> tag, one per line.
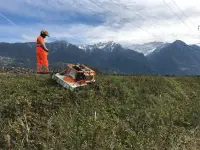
<point x="126" y="112"/>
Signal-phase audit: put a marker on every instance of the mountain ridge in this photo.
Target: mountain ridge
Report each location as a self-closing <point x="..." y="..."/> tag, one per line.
<point x="110" y="57"/>
<point x="178" y="58"/>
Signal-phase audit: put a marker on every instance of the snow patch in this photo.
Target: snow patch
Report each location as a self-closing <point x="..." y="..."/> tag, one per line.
<point x="150" y="51"/>
<point x="146" y="48"/>
<point x="105" y="46"/>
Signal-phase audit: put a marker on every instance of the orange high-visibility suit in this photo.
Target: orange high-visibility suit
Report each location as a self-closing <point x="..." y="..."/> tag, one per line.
<point x="41" y="55"/>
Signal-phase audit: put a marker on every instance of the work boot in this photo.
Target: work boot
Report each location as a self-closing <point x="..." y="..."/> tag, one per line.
<point x="46" y="70"/>
<point x="39" y="69"/>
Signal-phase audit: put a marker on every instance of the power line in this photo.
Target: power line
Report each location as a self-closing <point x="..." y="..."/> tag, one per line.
<point x="183" y="13"/>
<point x="125" y="6"/>
<point x="177" y="16"/>
<point x="12" y="24"/>
<point x="7" y="19"/>
<point x="150" y="22"/>
<point x="123" y="18"/>
<point x="78" y="5"/>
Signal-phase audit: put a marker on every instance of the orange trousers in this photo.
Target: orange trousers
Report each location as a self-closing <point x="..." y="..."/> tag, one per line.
<point x="41" y="59"/>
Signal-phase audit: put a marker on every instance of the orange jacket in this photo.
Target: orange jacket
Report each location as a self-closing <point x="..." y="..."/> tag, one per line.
<point x="40" y="43"/>
<point x="40" y="40"/>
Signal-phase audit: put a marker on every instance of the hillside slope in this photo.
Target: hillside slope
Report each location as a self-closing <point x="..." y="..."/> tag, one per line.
<point x="127" y="112"/>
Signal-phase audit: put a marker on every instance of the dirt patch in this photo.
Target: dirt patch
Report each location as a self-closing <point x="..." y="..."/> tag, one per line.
<point x="16" y="70"/>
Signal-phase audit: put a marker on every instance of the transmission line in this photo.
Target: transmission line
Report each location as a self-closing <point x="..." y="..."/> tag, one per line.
<point x="183" y="13"/>
<point x="177" y="16"/>
<point x="126" y="7"/>
<point x="13" y="24"/>
<point x="122" y="18"/>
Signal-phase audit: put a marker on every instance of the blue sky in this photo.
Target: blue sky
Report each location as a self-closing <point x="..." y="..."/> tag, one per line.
<point x="83" y="22"/>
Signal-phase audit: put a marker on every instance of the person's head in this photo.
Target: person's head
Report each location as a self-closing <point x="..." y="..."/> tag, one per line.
<point x="44" y="33"/>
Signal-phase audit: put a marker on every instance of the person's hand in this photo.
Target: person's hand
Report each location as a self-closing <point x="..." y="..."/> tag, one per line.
<point x="47" y="51"/>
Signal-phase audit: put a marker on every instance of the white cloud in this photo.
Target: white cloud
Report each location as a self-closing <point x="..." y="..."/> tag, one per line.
<point x="158" y="20"/>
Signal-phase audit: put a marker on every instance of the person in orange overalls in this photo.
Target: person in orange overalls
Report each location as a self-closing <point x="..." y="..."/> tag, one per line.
<point x="42" y="52"/>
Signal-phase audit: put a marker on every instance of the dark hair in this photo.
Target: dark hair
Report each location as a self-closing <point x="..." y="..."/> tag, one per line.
<point x="42" y="35"/>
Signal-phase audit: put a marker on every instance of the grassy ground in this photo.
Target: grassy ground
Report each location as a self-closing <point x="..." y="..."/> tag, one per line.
<point x="127" y="112"/>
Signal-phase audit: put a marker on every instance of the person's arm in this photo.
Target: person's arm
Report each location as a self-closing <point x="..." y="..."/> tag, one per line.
<point x="44" y="46"/>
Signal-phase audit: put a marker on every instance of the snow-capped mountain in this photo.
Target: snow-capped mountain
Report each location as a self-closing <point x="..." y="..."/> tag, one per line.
<point x="147" y="48"/>
<point x="168" y="58"/>
<point x="176" y="58"/>
<point x="105" y="46"/>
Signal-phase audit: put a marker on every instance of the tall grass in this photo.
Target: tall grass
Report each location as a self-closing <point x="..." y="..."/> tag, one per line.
<point x="126" y="112"/>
